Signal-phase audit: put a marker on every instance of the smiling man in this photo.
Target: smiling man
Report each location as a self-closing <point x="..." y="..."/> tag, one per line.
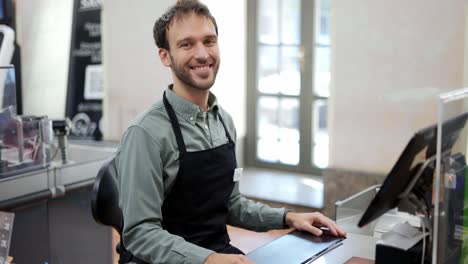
<point x="177" y="161"/>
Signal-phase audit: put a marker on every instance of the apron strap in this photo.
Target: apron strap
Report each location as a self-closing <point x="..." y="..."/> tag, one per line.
<point x="225" y="129"/>
<point x="175" y="125"/>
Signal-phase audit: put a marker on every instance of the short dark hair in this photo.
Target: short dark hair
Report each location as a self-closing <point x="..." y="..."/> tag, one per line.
<point x="181" y="8"/>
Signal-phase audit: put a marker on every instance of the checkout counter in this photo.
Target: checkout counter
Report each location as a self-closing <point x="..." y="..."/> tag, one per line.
<point x="46" y="183"/>
<point x="52" y="210"/>
<point x="52" y="207"/>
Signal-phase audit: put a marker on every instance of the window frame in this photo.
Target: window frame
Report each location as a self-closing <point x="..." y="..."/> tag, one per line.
<point x="306" y="115"/>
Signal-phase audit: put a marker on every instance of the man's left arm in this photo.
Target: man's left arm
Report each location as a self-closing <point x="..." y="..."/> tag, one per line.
<point x="256" y="216"/>
<point x="253" y="215"/>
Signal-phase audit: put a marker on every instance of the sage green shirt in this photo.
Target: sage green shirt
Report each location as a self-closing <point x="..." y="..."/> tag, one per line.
<point x="147" y="163"/>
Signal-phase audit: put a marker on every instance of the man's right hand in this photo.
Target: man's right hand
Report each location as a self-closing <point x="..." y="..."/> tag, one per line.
<point x="217" y="258"/>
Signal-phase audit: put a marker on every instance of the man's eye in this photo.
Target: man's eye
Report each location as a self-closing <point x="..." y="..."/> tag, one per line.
<point x="210" y="42"/>
<point x="185" y="45"/>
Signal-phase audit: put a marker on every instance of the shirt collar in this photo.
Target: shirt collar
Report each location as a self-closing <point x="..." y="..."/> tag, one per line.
<point x="188" y="110"/>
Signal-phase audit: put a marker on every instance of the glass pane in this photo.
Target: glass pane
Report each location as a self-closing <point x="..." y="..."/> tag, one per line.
<point x="322" y="50"/>
<point x="268" y="21"/>
<point x="289" y="152"/>
<point x="290" y="74"/>
<point x="267" y="150"/>
<point x="291" y="22"/>
<point x="267" y="118"/>
<point x="289" y="120"/>
<point x="269" y="79"/>
<point x="320" y="133"/>
<point x="322" y="71"/>
<point x="323" y="23"/>
<point x="320" y="124"/>
<point x="321" y="155"/>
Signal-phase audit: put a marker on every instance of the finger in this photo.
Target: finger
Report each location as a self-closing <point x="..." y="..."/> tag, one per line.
<point x="323" y="221"/>
<point x="332" y="228"/>
<point x="312" y="229"/>
<point x="335" y="228"/>
<point x="328" y="223"/>
<point x="339" y="231"/>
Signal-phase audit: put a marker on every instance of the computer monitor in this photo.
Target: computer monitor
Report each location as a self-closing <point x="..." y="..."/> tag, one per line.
<point x="417" y="159"/>
<point x="7" y="12"/>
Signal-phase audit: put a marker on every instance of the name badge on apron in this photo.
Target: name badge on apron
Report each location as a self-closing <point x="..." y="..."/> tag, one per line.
<point x="237" y="174"/>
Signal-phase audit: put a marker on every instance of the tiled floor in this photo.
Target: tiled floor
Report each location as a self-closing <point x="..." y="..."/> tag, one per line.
<point x="282" y="187"/>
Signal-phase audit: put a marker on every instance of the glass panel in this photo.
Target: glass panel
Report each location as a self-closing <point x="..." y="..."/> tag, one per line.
<point x="320" y="133"/>
<point x="323" y="16"/>
<point x="290" y="74"/>
<point x="322" y="71"/>
<point x="289" y="152"/>
<point x="322" y="50"/>
<point x="267" y="150"/>
<point x="321" y="155"/>
<point x="267" y="118"/>
<point x="289" y="131"/>
<point x="450" y="214"/>
<point x="268" y="21"/>
<point x="269" y="79"/>
<point x="289" y="119"/>
<point x="8" y="87"/>
<point x="24" y="144"/>
<point x="291" y="22"/>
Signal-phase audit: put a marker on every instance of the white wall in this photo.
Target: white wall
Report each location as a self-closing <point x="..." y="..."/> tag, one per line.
<point x="386" y="54"/>
<point x="134" y="77"/>
<point x="44" y="33"/>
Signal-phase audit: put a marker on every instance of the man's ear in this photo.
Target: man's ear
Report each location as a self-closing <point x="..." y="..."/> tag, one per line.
<point x="165" y="57"/>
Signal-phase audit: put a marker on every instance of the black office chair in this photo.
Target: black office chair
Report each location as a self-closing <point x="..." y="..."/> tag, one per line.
<point x="105" y="206"/>
<point x="105" y="197"/>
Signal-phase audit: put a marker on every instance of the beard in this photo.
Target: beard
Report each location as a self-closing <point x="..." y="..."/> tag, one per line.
<point x="185" y="76"/>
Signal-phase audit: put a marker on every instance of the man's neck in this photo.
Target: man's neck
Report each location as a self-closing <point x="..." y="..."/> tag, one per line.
<point x="195" y="96"/>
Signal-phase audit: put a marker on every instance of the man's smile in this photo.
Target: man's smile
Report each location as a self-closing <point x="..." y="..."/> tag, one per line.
<point x="202" y="70"/>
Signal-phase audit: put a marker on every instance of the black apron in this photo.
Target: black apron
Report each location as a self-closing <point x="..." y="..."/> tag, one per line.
<point x="197" y="206"/>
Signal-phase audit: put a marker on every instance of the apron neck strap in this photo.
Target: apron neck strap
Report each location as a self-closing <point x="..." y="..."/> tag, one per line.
<point x="175" y="125"/>
<point x="225" y="129"/>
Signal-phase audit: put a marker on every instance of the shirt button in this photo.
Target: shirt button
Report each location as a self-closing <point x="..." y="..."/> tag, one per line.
<point x="191" y="118"/>
<point x="206" y="126"/>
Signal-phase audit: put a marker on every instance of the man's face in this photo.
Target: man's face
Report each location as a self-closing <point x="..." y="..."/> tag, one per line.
<point x="194" y="52"/>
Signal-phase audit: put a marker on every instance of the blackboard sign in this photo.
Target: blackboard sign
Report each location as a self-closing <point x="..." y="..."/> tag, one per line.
<point x="85" y="86"/>
<point x="6" y="227"/>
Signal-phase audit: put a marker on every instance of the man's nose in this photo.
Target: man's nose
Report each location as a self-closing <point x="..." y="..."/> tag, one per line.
<point x="201" y="52"/>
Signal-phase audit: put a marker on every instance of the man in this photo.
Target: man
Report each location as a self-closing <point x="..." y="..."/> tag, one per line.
<point x="177" y="160"/>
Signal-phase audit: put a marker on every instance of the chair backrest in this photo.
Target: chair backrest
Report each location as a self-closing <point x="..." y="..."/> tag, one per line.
<point x="105" y="197"/>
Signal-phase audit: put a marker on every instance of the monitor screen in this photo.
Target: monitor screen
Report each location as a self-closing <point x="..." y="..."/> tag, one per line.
<point x="7" y="13"/>
<point x="2" y="9"/>
<point x="421" y="147"/>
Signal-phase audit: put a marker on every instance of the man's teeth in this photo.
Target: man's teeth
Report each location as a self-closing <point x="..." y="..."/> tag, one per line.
<point x="200" y="67"/>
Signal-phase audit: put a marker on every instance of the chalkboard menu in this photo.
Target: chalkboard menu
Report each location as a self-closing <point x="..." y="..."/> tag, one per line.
<point x="6" y="227"/>
<point x="85" y="86"/>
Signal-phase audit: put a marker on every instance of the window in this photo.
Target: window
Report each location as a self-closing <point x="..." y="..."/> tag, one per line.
<point x="288" y="83"/>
